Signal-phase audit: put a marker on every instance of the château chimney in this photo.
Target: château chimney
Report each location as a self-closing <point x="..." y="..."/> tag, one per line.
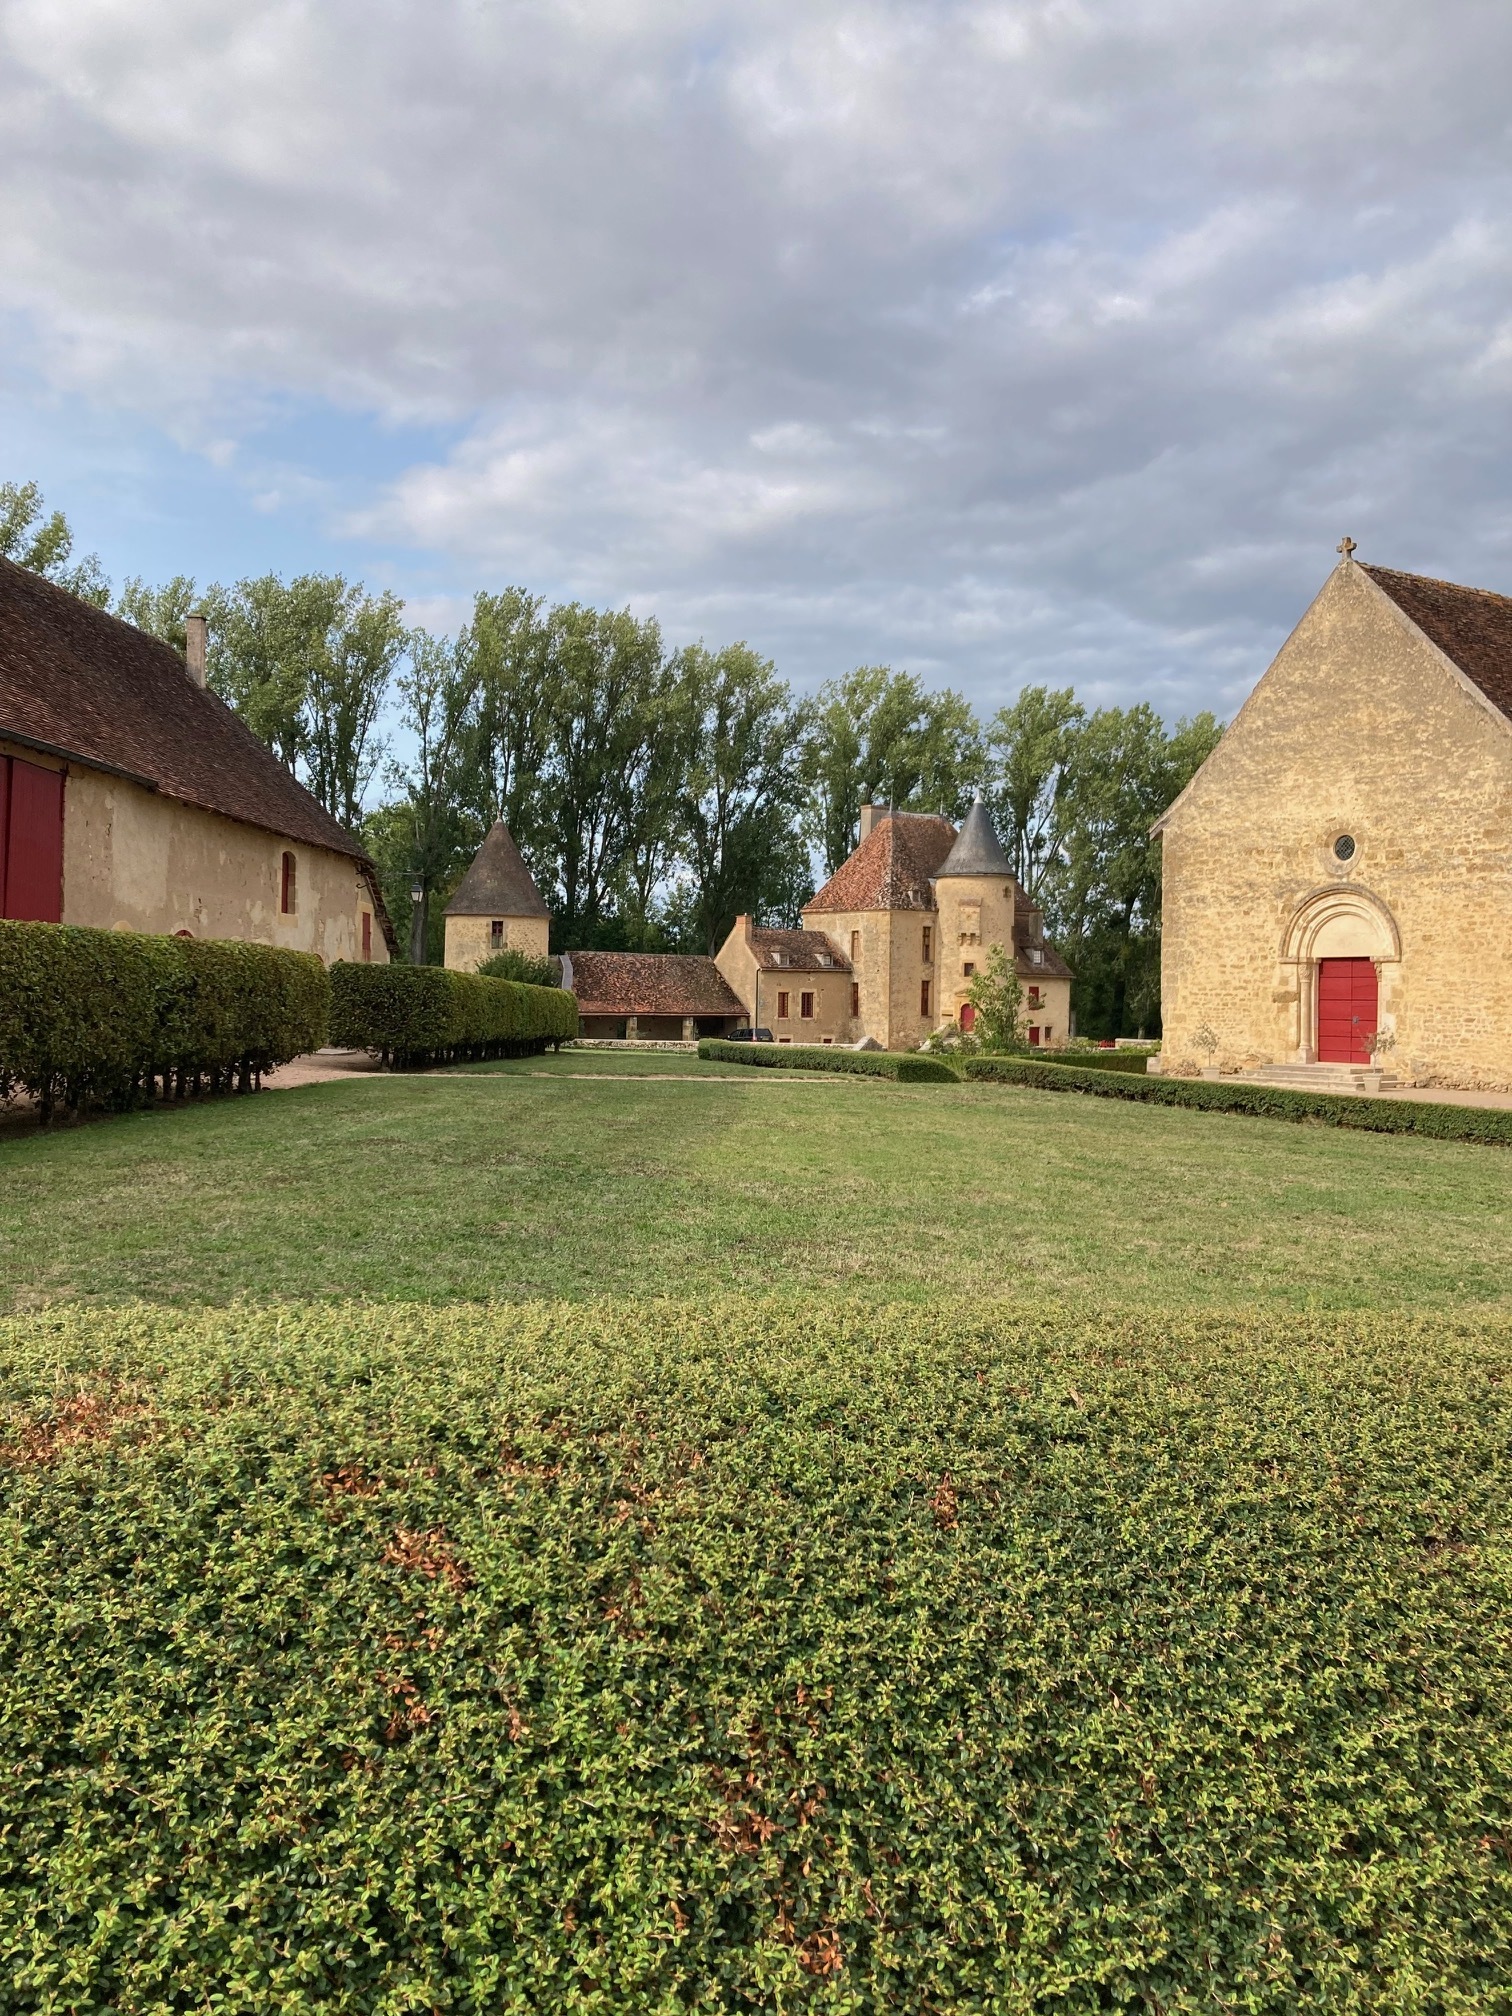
<point x="196" y="637"/>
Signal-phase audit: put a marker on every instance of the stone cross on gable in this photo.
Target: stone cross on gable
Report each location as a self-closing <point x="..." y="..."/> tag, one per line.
<point x="1346" y="546"/>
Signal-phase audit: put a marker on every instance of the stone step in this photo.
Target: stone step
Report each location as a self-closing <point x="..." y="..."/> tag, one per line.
<point x="1360" y="1078"/>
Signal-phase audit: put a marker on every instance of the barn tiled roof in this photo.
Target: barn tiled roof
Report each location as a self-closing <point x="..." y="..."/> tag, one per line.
<point x="1471" y="626"/>
<point x="891" y="869"/>
<point x="87" y="687"/>
<point x="797" y="951"/>
<point x="498" y="884"/>
<point x="82" y="684"/>
<point x="650" y="983"/>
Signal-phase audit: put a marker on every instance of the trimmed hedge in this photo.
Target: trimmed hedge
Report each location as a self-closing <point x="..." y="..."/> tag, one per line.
<point x="756" y="1655"/>
<point x="101" y="1017"/>
<point x="1132" y="1061"/>
<point x="421" y="1015"/>
<point x="906" y="1067"/>
<point x="1267" y="1102"/>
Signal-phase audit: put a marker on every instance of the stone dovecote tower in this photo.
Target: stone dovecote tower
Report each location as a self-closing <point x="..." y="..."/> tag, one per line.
<point x="497" y="907"/>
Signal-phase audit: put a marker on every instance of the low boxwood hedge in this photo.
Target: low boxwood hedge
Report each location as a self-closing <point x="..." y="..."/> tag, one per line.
<point x="754" y="1656"/>
<point x="421" y="1015"/>
<point x="906" y="1067"/>
<point x="1268" y="1102"/>
<point x="1132" y="1061"/>
<point x="107" y="1017"/>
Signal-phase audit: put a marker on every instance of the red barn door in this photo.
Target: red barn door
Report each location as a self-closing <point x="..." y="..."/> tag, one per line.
<point x="1347" y="1006"/>
<point x="32" y="857"/>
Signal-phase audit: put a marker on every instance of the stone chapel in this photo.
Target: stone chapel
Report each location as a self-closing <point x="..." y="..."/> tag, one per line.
<point x="1338" y="874"/>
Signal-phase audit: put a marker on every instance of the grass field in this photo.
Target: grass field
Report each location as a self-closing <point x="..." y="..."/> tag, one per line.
<point x="521" y="1180"/>
<point x="612" y="1533"/>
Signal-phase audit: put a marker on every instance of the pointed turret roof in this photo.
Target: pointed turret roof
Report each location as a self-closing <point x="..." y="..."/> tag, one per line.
<point x="977" y="850"/>
<point x="498" y="884"/>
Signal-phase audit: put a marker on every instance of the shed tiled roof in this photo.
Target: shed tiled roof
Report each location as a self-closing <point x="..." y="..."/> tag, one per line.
<point x="498" y="884"/>
<point x="891" y="869"/>
<point x="797" y="951"/>
<point x="1471" y="626"/>
<point x="651" y="983"/>
<point x="87" y="687"/>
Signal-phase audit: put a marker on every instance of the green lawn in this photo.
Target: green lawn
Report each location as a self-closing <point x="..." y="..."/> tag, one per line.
<point x="525" y="1180"/>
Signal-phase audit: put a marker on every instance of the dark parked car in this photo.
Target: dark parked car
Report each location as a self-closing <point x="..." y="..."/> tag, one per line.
<point x="750" y="1036"/>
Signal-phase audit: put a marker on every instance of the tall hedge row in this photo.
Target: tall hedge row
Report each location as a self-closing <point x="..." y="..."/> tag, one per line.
<point x="419" y="1015"/>
<point x="105" y="1017"/>
<point x="905" y="1067"/>
<point x="1266" y="1102"/>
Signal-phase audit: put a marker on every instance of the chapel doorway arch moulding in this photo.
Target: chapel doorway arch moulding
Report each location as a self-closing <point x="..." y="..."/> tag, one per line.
<point x="1339" y="921"/>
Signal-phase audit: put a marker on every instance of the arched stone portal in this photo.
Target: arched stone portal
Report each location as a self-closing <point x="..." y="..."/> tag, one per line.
<point x="1340" y="921"/>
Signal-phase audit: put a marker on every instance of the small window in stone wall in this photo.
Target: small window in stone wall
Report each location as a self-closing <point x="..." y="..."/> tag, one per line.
<point x="928" y="943"/>
<point x="923" y="997"/>
<point x="367" y="935"/>
<point x="1344" y="847"/>
<point x="288" y="885"/>
<point x="496" y="934"/>
<point x="782" y="1007"/>
<point x="806" y="1007"/>
<point x="969" y="968"/>
<point x="855" y="945"/>
<point x="855" y="999"/>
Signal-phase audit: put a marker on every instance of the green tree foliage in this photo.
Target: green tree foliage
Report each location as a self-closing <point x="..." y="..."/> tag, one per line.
<point x="1029" y="745"/>
<point x="997" y="995"/>
<point x="308" y="665"/>
<point x="741" y="782"/>
<point x="877" y="734"/>
<point x="1122" y="770"/>
<point x="423" y="839"/>
<point x="42" y="540"/>
<point x="162" y="611"/>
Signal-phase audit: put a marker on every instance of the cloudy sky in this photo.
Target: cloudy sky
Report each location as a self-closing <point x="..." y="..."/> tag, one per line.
<point x="1006" y="340"/>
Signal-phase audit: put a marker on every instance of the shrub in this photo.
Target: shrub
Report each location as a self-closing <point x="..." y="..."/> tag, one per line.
<point x="758" y="1655"/>
<point x="100" y="1017"/>
<point x="1135" y="1062"/>
<point x="1268" y="1102"/>
<point x="512" y="964"/>
<point x="906" y="1067"/>
<point x="420" y="1015"/>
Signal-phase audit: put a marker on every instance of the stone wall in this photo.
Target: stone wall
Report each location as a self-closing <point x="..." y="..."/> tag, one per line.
<point x="136" y="860"/>
<point x="469" y="940"/>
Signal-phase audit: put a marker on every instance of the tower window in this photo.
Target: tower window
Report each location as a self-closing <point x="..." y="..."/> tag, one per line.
<point x="496" y="933"/>
<point x="855" y="999"/>
<point x="928" y="943"/>
<point x="1344" y="847"/>
<point x="923" y="997"/>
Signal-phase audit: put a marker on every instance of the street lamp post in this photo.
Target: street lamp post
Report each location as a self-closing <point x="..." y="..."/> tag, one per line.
<point x="417" y="923"/>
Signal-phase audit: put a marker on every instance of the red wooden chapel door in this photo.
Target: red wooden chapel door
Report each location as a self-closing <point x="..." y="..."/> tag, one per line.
<point x="1347" y="1004"/>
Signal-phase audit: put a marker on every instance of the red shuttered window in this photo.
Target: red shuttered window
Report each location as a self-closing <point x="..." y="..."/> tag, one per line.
<point x="31" y="841"/>
<point x="367" y="934"/>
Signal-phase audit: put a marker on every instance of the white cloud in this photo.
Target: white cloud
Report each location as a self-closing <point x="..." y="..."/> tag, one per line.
<point x="998" y="336"/>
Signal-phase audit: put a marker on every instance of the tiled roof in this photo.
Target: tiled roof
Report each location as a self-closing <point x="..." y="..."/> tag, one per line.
<point x="891" y="869"/>
<point x="1471" y="626"/>
<point x="797" y="952"/>
<point x="498" y="884"/>
<point x="84" y="685"/>
<point x="650" y="983"/>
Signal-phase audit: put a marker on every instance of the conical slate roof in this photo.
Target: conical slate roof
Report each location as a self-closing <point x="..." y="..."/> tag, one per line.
<point x="977" y="850"/>
<point x="498" y="884"/>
